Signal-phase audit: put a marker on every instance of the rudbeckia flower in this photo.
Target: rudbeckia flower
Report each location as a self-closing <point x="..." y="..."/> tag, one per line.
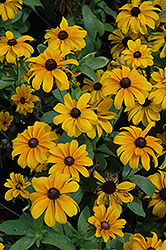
<point x="163" y="143"/>
<point x="127" y="84"/>
<point x="135" y="17"/>
<point x="65" y="38"/>
<point x="136" y="145"/>
<point x="47" y="67"/>
<point x="33" y="144"/>
<point x="70" y="159"/>
<point x="24" y="100"/>
<point x="106" y="222"/>
<point x="9" y="8"/>
<point x="17" y="186"/>
<point x="137" y="241"/>
<point x="137" y="55"/>
<point x="14" y="48"/>
<point x="5" y="120"/>
<point x="161" y="5"/>
<point x="75" y="116"/>
<point x="1" y="246"/>
<point x="111" y="193"/>
<point x="51" y="197"/>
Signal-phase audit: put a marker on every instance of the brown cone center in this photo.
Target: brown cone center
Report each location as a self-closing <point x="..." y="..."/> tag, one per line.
<point x="53" y="193"/>
<point x="33" y="142"/>
<point x="137" y="54"/>
<point x="105" y="225"/>
<point x="69" y="160"/>
<point x="109" y="187"/>
<point x="146" y="103"/>
<point x="50" y="64"/>
<point x="125" y="40"/>
<point x="125" y="82"/>
<point x="62" y="35"/>
<point x="97" y="86"/>
<point x="22" y="100"/>
<point x="19" y="185"/>
<point x="135" y="11"/>
<point x="150" y="248"/>
<point x="75" y="113"/>
<point x="12" y="42"/>
<point x="140" y="142"/>
<point x="163" y="194"/>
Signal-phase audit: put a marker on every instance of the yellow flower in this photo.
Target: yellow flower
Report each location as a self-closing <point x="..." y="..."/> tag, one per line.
<point x="9" y="8"/>
<point x="75" y="116"/>
<point x="137" y="54"/>
<point x="47" y="67"/>
<point x="70" y="159"/>
<point x="17" y="186"/>
<point x="136" y="17"/>
<point x="33" y="144"/>
<point x="66" y="38"/>
<point x="112" y="194"/>
<point x="1" y="246"/>
<point x="14" y="48"/>
<point x="106" y="222"/>
<point x="51" y="197"/>
<point x="161" y="5"/>
<point x="162" y="137"/>
<point x="24" y="100"/>
<point x="127" y="84"/>
<point x="134" y="145"/>
<point x="5" y="120"/>
<point x="137" y="241"/>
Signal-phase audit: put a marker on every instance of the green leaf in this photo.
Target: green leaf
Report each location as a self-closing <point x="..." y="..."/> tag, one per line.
<point x="23" y="243"/>
<point x="101" y="160"/>
<point x="10" y="21"/>
<point x="4" y="84"/>
<point x="97" y="62"/>
<point x="103" y="148"/>
<point x="41" y="47"/>
<point x="107" y="10"/>
<point x="88" y="72"/>
<point x="14" y="227"/>
<point x="144" y="183"/>
<point x="32" y="3"/>
<point x="48" y="116"/>
<point x="128" y="171"/>
<point x="75" y="93"/>
<point x="118" y="242"/>
<point x="108" y="27"/>
<point x="68" y="229"/>
<point x="136" y="207"/>
<point x="83" y="139"/>
<point x="59" y="94"/>
<point x="65" y="138"/>
<point x="82" y="220"/>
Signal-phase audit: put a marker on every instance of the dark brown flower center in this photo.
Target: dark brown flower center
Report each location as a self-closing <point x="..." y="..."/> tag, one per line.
<point x="33" y="142"/>
<point x="137" y="54"/>
<point x="69" y="75"/>
<point x="97" y="86"/>
<point x="140" y="142"/>
<point x="4" y="122"/>
<point x="150" y="248"/>
<point x="62" y="35"/>
<point x="69" y="160"/>
<point x="146" y="103"/>
<point x="135" y="11"/>
<point x="163" y="194"/>
<point x="125" y="40"/>
<point x="22" y="100"/>
<point x="2" y="1"/>
<point x="75" y="113"/>
<point x="159" y="7"/>
<point x="109" y="187"/>
<point x="165" y="38"/>
<point x="53" y="193"/>
<point x="105" y="225"/>
<point x="18" y="186"/>
<point x="50" y="64"/>
<point x="125" y="82"/>
<point x="12" y="42"/>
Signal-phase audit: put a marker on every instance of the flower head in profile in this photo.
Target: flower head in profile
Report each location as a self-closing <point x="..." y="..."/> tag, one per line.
<point x="5" y="120"/>
<point x="17" y="185"/>
<point x="106" y="222"/>
<point x="65" y="38"/>
<point x="135" y="145"/>
<point x="135" y="16"/>
<point x="24" y="100"/>
<point x="75" y="116"/>
<point x="137" y="241"/>
<point x="47" y="67"/>
<point x="70" y="159"/>
<point x="51" y="197"/>
<point x="14" y="48"/>
<point x="9" y="8"/>
<point x="33" y="144"/>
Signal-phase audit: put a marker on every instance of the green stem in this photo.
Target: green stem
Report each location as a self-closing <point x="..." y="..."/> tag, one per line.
<point x="60" y="94"/>
<point x="128" y="174"/>
<point x="9" y="209"/>
<point x="63" y="229"/>
<point x="4" y="135"/>
<point x="27" y="219"/>
<point x="24" y="66"/>
<point x="40" y="16"/>
<point x="99" y="248"/>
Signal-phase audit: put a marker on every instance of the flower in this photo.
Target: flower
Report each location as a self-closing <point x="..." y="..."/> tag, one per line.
<point x="5" y="120"/>
<point x="136" y="17"/>
<point x="106" y="222"/>
<point x="70" y="159"/>
<point x="158" y="77"/>
<point x="17" y="185"/>
<point x="64" y="6"/>
<point x="161" y="5"/>
<point x="33" y="144"/>
<point x="1" y="246"/>
<point x="134" y="145"/>
<point x="51" y="197"/>
<point x="137" y="241"/>
<point x="137" y="54"/>
<point x="24" y="100"/>
<point x="14" y="48"/>
<point x="66" y="38"/>
<point x="75" y="116"/>
<point x="162" y="137"/>
<point x="9" y="8"/>
<point x="47" y="67"/>
<point x="127" y="84"/>
<point x="112" y="194"/>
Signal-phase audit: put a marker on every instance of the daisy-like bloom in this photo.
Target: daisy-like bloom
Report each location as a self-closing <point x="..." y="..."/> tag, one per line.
<point x="47" y="67"/>
<point x="9" y="8"/>
<point x="106" y="222"/>
<point x="162" y="137"/>
<point x="65" y="38"/>
<point x="75" y="116"/>
<point x="51" y="197"/>
<point x="112" y="194"/>
<point x="70" y="159"/>
<point x="127" y="84"/>
<point x="135" y="17"/>
<point x="137" y="241"/>
<point x="5" y="120"/>
<point x="17" y="186"/>
<point x="101" y="109"/>
<point x="14" y="48"/>
<point x="161" y="5"/>
<point x="159" y="76"/>
<point x="137" y="54"/>
<point x="1" y="246"/>
<point x="33" y="144"/>
<point x="136" y="145"/>
<point x="24" y="100"/>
